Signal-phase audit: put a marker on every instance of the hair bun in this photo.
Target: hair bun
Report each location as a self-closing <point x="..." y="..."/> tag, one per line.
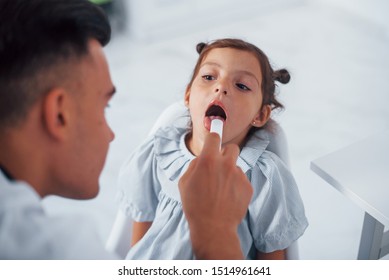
<point x="200" y="47"/>
<point x="281" y="76"/>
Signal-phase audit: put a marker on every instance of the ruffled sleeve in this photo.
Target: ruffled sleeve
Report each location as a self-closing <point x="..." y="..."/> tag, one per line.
<point x="138" y="184"/>
<point x="276" y="212"/>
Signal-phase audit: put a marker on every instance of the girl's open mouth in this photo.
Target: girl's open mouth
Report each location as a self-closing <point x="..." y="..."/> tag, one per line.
<point x="214" y="112"/>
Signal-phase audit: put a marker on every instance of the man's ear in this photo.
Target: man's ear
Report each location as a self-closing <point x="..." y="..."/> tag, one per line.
<point x="262" y="117"/>
<point x="55" y="113"/>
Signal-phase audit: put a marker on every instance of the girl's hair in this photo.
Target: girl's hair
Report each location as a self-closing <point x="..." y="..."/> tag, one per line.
<point x="269" y="76"/>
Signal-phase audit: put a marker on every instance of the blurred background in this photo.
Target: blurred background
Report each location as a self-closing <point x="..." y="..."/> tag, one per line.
<point x="336" y="52"/>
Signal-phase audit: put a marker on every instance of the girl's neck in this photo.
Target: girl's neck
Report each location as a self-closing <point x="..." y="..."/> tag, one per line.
<point x="193" y="146"/>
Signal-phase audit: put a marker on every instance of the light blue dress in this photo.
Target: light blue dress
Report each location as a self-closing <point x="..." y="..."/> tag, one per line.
<point x="148" y="191"/>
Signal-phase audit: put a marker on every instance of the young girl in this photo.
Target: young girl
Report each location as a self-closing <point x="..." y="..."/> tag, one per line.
<point x="232" y="81"/>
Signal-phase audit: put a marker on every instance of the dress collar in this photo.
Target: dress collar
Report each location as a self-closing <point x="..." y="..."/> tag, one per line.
<point x="173" y="155"/>
<point x="252" y="150"/>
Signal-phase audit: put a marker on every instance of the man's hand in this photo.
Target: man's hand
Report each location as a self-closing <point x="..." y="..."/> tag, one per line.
<point x="215" y="194"/>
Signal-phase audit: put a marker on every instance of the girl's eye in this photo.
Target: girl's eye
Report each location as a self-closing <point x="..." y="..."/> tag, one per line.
<point x="208" y="77"/>
<point x="242" y="86"/>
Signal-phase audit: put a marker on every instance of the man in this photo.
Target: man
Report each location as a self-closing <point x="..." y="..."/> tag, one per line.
<point x="54" y="88"/>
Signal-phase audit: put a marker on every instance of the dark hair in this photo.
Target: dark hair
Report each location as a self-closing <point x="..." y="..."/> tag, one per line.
<point x="269" y="76"/>
<point x="35" y="37"/>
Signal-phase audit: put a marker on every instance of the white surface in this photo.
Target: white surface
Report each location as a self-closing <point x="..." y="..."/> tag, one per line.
<point x="360" y="172"/>
<point x="338" y="94"/>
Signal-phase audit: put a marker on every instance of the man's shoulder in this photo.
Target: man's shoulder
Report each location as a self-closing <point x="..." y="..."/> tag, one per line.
<point x="20" y="209"/>
<point x="27" y="232"/>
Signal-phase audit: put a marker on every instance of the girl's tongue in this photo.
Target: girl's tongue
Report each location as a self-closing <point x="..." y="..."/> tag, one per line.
<point x="208" y="121"/>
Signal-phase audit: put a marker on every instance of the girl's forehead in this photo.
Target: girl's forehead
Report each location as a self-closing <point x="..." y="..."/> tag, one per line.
<point x="233" y="58"/>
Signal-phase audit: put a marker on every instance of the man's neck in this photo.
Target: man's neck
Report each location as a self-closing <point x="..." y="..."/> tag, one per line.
<point x="19" y="161"/>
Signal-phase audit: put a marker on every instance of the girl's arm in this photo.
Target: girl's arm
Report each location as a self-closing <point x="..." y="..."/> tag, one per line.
<point x="139" y="229"/>
<point x="276" y="255"/>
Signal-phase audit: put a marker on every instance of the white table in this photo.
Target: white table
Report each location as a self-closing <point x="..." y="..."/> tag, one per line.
<point x="361" y="173"/>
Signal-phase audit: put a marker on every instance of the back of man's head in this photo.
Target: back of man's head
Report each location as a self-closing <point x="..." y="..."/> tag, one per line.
<point x="35" y="37"/>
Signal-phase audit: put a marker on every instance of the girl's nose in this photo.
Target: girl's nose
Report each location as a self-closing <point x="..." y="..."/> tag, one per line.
<point x="221" y="88"/>
<point x="224" y="91"/>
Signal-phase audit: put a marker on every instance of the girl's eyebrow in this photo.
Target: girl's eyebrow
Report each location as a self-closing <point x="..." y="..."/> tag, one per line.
<point x="211" y="63"/>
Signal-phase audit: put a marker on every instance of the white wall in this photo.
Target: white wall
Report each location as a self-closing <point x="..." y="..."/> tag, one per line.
<point x="157" y="19"/>
<point x="376" y="11"/>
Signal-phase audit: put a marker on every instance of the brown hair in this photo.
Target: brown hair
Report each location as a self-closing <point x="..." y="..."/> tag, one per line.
<point x="269" y="76"/>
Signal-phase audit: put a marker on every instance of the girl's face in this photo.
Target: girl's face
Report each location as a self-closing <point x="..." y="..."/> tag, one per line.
<point x="227" y="86"/>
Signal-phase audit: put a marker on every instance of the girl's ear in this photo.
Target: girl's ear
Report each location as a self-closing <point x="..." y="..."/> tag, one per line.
<point x="262" y="117"/>
<point x="186" y="98"/>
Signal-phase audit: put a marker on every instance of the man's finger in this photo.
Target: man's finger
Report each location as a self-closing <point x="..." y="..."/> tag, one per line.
<point x="211" y="144"/>
<point x="232" y="151"/>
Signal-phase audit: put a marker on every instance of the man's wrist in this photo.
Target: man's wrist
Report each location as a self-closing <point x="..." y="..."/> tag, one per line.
<point x="212" y="243"/>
